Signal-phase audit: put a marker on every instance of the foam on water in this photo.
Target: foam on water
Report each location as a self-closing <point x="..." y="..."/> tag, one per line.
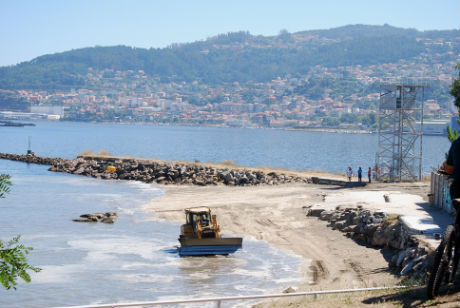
<point x="56" y="274"/>
<point x="143" y="278"/>
<point x="127" y="261"/>
<point x="92" y="263"/>
<point x="119" y="245"/>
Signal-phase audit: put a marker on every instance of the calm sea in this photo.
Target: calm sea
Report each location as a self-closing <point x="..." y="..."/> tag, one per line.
<point x="298" y="150"/>
<point x="128" y="261"/>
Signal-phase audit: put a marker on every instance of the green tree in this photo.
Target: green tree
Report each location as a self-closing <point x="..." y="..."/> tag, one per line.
<point x="13" y="261"/>
<point x="348" y="118"/>
<point x="330" y="122"/>
<point x="452" y="134"/>
<point x="5" y="184"/>
<point x="455" y="92"/>
<point x="455" y="87"/>
<point x="369" y="119"/>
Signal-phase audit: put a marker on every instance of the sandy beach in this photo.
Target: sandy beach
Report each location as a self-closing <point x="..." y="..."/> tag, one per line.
<point x="275" y="214"/>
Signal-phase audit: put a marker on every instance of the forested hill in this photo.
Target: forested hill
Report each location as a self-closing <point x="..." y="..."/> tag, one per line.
<point x="236" y="56"/>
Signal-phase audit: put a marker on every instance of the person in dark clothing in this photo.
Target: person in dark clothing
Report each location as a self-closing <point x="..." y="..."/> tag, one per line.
<point x="360" y="174"/>
<point x="453" y="159"/>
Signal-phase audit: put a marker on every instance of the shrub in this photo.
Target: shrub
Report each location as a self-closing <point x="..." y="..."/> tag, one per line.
<point x="103" y="153"/>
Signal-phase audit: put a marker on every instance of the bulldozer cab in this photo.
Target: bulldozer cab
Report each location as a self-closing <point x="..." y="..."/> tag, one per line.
<point x="202" y="222"/>
<point x="202" y="219"/>
<point x="198" y="216"/>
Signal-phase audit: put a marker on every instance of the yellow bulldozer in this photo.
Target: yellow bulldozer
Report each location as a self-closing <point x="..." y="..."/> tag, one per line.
<point x="200" y="235"/>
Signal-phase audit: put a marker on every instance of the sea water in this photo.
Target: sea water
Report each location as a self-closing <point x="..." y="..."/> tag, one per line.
<point x="130" y="260"/>
<point x="298" y="150"/>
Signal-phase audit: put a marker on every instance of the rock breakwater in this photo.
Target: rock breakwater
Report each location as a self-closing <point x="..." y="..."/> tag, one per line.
<point x="161" y="172"/>
<point x="170" y="172"/>
<point x="31" y="159"/>
<point x="410" y="256"/>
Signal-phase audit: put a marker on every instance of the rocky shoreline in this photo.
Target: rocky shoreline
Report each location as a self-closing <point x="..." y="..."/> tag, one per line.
<point x="31" y="159"/>
<point x="410" y="256"/>
<point x="153" y="171"/>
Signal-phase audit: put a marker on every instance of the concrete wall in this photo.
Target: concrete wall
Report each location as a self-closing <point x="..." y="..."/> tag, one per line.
<point x="439" y="192"/>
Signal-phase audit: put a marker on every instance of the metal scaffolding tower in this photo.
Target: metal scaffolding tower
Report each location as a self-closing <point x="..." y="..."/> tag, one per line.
<point x="399" y="156"/>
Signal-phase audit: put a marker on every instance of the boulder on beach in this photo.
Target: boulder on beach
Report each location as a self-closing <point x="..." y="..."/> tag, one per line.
<point x="107" y="217"/>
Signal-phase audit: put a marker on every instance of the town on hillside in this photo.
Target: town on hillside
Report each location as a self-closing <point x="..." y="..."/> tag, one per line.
<point x="342" y="97"/>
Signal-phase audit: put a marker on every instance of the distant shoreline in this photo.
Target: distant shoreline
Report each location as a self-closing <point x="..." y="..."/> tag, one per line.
<point x="303" y="129"/>
<point x="333" y="130"/>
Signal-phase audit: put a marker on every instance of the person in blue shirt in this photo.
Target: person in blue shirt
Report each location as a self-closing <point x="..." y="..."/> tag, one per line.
<point x="360" y="174"/>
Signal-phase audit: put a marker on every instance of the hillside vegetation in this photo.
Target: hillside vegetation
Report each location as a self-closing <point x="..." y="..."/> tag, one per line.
<point x="231" y="57"/>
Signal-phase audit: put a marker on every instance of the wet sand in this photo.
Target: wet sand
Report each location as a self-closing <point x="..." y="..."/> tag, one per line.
<point x="275" y="214"/>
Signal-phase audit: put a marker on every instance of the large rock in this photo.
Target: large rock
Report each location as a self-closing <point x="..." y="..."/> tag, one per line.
<point x="228" y="177"/>
<point x="314" y="212"/>
<point x="111" y="214"/>
<point x="83" y="220"/>
<point x="407" y="268"/>
<point x="351" y="228"/>
<point x="326" y="215"/>
<point x="243" y="180"/>
<point x="107" y="220"/>
<point x="80" y="170"/>
<point x="108" y="217"/>
<point x="379" y="239"/>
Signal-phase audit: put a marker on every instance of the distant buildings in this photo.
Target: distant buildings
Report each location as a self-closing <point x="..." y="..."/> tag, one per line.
<point x="285" y="101"/>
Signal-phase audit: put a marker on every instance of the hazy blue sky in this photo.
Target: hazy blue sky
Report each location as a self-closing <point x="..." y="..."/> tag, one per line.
<point x="30" y="28"/>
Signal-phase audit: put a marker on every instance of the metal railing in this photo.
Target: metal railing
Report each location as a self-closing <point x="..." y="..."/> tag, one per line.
<point x="219" y="300"/>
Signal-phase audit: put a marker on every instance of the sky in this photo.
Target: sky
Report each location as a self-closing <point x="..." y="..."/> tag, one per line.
<point x="31" y="28"/>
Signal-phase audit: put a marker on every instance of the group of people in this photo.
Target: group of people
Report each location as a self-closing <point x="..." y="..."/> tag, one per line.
<point x="349" y="173"/>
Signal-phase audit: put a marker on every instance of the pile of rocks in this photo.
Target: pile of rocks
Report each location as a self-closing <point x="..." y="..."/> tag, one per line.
<point x="31" y="158"/>
<point x="107" y="218"/>
<point x="169" y="172"/>
<point x="410" y="256"/>
<point x="158" y="172"/>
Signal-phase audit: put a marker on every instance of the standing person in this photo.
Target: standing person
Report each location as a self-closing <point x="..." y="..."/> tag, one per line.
<point x="369" y="173"/>
<point x="360" y="174"/>
<point x="453" y="159"/>
<point x="349" y="173"/>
